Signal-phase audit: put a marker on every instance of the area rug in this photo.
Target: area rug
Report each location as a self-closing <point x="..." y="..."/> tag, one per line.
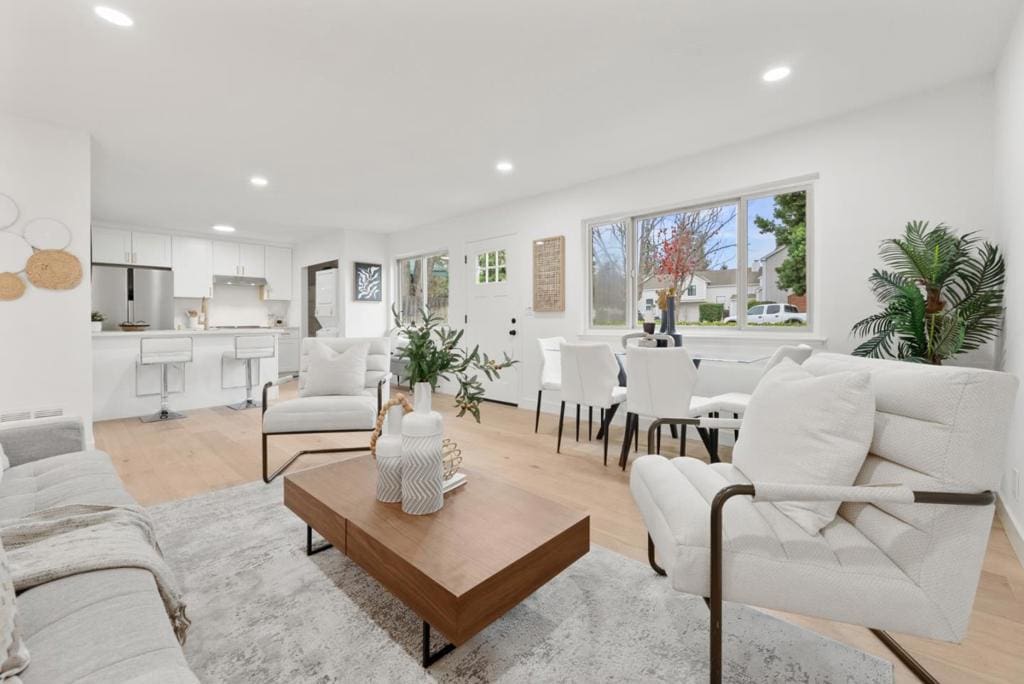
<point x="262" y="611"/>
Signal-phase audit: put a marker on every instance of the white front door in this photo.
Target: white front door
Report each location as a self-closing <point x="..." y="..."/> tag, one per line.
<point x="492" y="315"/>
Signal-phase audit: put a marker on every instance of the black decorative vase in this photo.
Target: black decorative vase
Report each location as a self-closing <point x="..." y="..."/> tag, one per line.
<point x="668" y="324"/>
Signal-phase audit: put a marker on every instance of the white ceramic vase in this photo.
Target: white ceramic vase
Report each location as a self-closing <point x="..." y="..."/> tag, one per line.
<point x="422" y="467"/>
<point x="389" y="458"/>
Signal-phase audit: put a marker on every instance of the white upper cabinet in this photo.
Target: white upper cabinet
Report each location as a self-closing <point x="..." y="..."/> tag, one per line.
<point x="151" y="249"/>
<point x="193" y="267"/>
<point x="238" y="259"/>
<point x="279" y="273"/>
<point x="252" y="259"/>
<point x="117" y="246"/>
<point x="225" y="258"/>
<point x="111" y="246"/>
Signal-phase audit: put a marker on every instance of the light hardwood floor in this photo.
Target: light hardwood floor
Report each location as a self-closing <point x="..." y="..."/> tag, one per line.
<point x="218" y="447"/>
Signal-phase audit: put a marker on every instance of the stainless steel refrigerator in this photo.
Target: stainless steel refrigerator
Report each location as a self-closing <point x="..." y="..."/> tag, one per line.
<point x="132" y="293"/>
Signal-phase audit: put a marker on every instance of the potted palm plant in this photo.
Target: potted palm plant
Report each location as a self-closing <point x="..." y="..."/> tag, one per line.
<point x="942" y="295"/>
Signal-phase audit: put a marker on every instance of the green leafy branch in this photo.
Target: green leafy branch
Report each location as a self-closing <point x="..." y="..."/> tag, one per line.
<point x="434" y="353"/>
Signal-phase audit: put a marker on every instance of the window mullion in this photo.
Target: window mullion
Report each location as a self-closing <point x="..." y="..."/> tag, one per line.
<point x="741" y="264"/>
<point x="633" y="287"/>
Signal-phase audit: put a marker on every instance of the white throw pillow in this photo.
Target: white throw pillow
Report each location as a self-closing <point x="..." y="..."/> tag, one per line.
<point x="801" y="428"/>
<point x="13" y="653"/>
<point x="332" y="373"/>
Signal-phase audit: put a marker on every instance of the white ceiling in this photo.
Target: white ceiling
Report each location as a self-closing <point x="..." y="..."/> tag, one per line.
<point x="386" y="114"/>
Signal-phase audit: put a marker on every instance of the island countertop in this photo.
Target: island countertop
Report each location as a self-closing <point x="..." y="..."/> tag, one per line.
<point x="191" y="333"/>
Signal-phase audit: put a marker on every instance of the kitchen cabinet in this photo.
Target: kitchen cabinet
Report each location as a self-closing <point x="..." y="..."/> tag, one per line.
<point x="238" y="259"/>
<point x="192" y="260"/>
<point x="278" y="273"/>
<point x="119" y="246"/>
<point x="288" y="351"/>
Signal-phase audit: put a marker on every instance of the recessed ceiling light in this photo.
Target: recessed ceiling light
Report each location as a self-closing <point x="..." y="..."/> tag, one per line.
<point x="504" y="167"/>
<point x="115" y="17"/>
<point x="221" y="228"/>
<point x="776" y="74"/>
<point x="259" y="181"/>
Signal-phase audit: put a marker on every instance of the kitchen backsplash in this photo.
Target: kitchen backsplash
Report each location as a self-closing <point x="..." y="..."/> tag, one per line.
<point x="233" y="305"/>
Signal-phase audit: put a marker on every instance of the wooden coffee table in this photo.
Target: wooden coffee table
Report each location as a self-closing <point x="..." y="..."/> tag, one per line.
<point x="459" y="569"/>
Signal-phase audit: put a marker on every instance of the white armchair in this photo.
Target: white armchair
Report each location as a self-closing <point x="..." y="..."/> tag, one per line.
<point x="905" y="551"/>
<point x="333" y="413"/>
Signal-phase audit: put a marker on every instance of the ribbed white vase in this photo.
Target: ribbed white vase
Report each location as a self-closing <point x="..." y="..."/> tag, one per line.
<point x="422" y="466"/>
<point x="389" y="458"/>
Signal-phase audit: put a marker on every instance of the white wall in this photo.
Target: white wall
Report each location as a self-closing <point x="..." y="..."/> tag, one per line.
<point x="232" y="305"/>
<point x="45" y="346"/>
<point x="926" y="157"/>
<point x="1009" y="180"/>
<point x="356" y="319"/>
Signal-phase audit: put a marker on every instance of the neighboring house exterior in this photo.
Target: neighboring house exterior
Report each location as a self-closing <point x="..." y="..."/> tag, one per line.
<point x="769" y="264"/>
<point x="705" y="287"/>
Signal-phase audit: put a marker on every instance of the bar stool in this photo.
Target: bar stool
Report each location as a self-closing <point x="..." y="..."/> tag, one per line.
<point x="249" y="349"/>
<point x="164" y="351"/>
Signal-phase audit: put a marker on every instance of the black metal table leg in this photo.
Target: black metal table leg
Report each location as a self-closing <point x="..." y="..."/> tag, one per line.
<point x="309" y="543"/>
<point x="431" y="657"/>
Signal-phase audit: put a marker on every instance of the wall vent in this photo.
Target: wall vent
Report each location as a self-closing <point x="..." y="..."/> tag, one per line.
<point x="28" y="414"/>
<point x="12" y="416"/>
<point x="48" y="413"/>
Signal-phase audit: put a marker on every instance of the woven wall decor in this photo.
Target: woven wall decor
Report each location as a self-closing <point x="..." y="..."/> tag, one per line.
<point x="549" y="274"/>
<point x="54" y="269"/>
<point x="11" y="287"/>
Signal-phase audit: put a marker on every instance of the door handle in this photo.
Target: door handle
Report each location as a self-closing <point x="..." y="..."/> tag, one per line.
<point x="512" y="333"/>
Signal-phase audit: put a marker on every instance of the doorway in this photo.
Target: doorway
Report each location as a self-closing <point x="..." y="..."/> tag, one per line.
<point x="312" y="324"/>
<point x="493" y="319"/>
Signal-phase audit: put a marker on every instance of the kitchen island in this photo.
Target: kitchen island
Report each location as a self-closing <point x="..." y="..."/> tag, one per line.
<point x="122" y="388"/>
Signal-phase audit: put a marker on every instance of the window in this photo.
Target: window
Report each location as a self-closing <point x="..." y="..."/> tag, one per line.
<point x="490" y="267"/>
<point x="423" y="282"/>
<point x="635" y="260"/>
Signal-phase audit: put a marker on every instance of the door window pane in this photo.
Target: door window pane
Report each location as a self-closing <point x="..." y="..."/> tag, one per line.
<point x="609" y="285"/>
<point x="777" y="248"/>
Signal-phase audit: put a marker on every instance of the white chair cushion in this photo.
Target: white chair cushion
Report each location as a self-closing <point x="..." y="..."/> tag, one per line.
<point x="618" y="395"/>
<point x="333" y="373"/>
<point x="552" y="386"/>
<point x="321" y="414"/>
<point x="804" y="429"/>
<point x="730" y="402"/>
<point x="768" y="559"/>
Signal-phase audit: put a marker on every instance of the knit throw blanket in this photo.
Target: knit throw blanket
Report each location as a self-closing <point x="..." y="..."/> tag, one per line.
<point x="68" y="540"/>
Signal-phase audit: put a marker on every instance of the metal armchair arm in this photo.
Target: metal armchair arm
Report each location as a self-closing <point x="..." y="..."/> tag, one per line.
<point x="275" y="383"/>
<point x="386" y="378"/>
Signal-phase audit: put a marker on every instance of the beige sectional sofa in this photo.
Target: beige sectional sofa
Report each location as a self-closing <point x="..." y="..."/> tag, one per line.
<point x="103" y="626"/>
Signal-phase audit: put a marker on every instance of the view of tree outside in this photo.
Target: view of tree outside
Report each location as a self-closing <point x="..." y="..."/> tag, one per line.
<point x="423" y="281"/>
<point x="609" y="284"/>
<point x="777" y="246"/>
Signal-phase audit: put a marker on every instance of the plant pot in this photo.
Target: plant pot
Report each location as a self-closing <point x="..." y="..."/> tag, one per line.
<point x="422" y="465"/>
<point x="389" y="458"/>
<point x="97" y="326"/>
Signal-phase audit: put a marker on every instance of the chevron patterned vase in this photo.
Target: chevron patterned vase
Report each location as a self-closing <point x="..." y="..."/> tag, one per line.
<point x="422" y="466"/>
<point x="389" y="458"/>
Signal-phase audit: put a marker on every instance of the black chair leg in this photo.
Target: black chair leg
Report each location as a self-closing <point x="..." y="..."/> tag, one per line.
<point x="627" y="438"/>
<point x="636" y="433"/>
<point x="536" y="421"/>
<point x="590" y="423"/>
<point x="736" y="433"/>
<point x="675" y="432"/>
<point x="682" y="441"/>
<point x="577" y="422"/>
<point x="604" y="430"/>
<point x="561" y="421"/>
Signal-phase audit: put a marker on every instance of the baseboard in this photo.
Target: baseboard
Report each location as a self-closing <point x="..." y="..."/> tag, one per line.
<point x="1013" y="529"/>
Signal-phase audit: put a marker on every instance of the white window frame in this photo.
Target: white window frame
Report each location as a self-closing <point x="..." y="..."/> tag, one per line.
<point x="424" y="276"/>
<point x="741" y="199"/>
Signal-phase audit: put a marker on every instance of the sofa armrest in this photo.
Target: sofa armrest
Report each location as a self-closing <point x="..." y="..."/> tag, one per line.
<point x="32" y="440"/>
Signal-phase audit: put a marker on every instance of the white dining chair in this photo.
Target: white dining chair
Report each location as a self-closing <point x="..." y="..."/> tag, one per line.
<point x="590" y="377"/>
<point x="550" y="369"/>
<point x="660" y="386"/>
<point x="736" y="402"/>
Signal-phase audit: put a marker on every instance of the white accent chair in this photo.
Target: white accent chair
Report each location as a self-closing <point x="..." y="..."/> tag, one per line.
<point x="164" y="352"/>
<point x="661" y="382"/>
<point x="905" y="557"/>
<point x="550" y="369"/>
<point x="328" y="414"/>
<point x="590" y="377"/>
<point x="249" y="349"/>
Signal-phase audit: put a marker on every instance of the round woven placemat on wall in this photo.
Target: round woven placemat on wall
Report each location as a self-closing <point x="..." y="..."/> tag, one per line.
<point x="11" y="287"/>
<point x="54" y="269"/>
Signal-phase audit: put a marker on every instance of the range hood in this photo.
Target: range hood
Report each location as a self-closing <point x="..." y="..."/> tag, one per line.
<point x="244" y="281"/>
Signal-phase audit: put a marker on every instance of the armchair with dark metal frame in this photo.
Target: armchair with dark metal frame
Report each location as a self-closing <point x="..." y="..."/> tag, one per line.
<point x="285" y="379"/>
<point x="789" y="493"/>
